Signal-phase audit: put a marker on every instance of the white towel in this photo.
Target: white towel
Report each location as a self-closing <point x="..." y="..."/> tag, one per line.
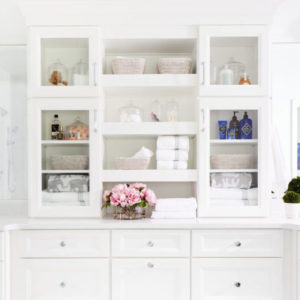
<point x="164" y="155"/>
<point x="176" y="204"/>
<point x="173" y="142"/>
<point x="170" y="165"/>
<point x="143" y="153"/>
<point x="64" y="198"/>
<point x="173" y="215"/>
<point x="233" y="194"/>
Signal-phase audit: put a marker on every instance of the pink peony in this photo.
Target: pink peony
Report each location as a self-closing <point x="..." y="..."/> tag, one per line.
<point x="105" y="194"/>
<point x="150" y="197"/>
<point x="133" y="196"/>
<point x="138" y="186"/>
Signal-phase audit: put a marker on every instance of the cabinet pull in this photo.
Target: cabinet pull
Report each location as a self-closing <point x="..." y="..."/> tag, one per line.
<point x="63" y="244"/>
<point x="203" y="72"/>
<point x="238" y="244"/>
<point x="237" y="284"/>
<point x="95" y="120"/>
<point x="62" y="284"/>
<point x="150" y="244"/>
<point x="150" y="265"/>
<point x="95" y="74"/>
<point x="203" y="120"/>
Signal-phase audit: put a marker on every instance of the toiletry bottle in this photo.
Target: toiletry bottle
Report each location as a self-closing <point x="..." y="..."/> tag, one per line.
<point x="245" y="80"/>
<point x="226" y="76"/>
<point x="233" y="132"/>
<point x="55" y="127"/>
<point x="222" y="129"/>
<point x="246" y="127"/>
<point x="60" y="135"/>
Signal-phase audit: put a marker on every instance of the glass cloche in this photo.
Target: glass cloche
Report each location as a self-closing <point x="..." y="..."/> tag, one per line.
<point x="57" y="74"/>
<point x="77" y="131"/>
<point x="80" y="73"/>
<point x="131" y="113"/>
<point x="238" y="69"/>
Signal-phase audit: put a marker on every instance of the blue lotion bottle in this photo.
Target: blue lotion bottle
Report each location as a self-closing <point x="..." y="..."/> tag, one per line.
<point x="246" y="127"/>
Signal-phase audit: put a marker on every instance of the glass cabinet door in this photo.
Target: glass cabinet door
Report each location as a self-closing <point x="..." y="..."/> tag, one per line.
<point x="295" y="109"/>
<point x="233" y="159"/>
<point x="64" y="61"/>
<point x="66" y="185"/>
<point x="233" y="60"/>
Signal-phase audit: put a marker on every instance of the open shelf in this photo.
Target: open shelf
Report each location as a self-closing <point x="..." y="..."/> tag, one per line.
<point x="233" y="171"/>
<point x="65" y="142"/>
<point x="65" y="171"/>
<point x="234" y="142"/>
<point x="149" y="175"/>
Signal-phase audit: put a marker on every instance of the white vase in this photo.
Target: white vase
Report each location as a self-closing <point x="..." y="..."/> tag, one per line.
<point x="292" y="210"/>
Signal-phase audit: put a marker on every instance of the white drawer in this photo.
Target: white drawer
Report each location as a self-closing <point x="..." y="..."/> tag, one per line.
<point x="59" y="279"/>
<point x="62" y="243"/>
<point x="237" y="243"/>
<point x="237" y="278"/>
<point x="150" y="243"/>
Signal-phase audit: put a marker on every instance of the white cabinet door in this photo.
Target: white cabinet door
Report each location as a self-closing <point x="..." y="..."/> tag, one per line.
<point x="234" y="167"/>
<point x="60" y="186"/>
<point x="61" y="279"/>
<point x="236" y="279"/>
<point x="244" y="49"/>
<point x="148" y="279"/>
<point x="64" y="61"/>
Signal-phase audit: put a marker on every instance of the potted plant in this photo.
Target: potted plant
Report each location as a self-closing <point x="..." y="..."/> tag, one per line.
<point x="291" y="198"/>
<point x="129" y="200"/>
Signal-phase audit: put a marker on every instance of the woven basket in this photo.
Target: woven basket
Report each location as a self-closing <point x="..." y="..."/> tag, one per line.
<point x="175" y="65"/>
<point x="69" y="162"/>
<point x="131" y="163"/>
<point x="128" y="65"/>
<point x="232" y="161"/>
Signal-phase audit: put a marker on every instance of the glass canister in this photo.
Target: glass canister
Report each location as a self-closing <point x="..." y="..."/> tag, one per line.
<point x="156" y="111"/>
<point x="57" y="74"/>
<point x="238" y="69"/>
<point x="172" y="111"/>
<point x="131" y="113"/>
<point x="77" y="131"/>
<point x="80" y="73"/>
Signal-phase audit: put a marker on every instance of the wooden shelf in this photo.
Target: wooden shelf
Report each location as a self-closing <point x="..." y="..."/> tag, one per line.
<point x="233" y="170"/>
<point x="149" y="175"/>
<point x="65" y="142"/>
<point x="149" y="129"/>
<point x="65" y="171"/>
<point x="234" y="142"/>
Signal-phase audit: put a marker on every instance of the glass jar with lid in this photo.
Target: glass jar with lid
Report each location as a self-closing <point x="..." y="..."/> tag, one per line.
<point x="80" y="73"/>
<point x="156" y="111"/>
<point x="172" y="111"/>
<point x="77" y="130"/>
<point x="57" y="74"/>
<point x="238" y="69"/>
<point x="131" y="113"/>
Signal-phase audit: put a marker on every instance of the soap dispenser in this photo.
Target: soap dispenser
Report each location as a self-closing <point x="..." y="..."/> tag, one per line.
<point x="246" y="127"/>
<point x="233" y="132"/>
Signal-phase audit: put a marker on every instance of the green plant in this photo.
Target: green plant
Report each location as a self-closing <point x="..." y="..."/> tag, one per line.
<point x="291" y="197"/>
<point x="294" y="185"/>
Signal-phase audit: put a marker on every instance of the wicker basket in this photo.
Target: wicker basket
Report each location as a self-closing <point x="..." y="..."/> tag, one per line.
<point x="69" y="162"/>
<point x="128" y="65"/>
<point x="131" y="163"/>
<point x="175" y="65"/>
<point x="232" y="161"/>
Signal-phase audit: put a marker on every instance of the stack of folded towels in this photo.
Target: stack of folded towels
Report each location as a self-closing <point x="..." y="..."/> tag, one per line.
<point x="175" y="208"/>
<point x="172" y="152"/>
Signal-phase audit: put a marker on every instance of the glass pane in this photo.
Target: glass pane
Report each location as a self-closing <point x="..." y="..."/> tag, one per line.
<point x="298" y="141"/>
<point x="234" y="60"/>
<point x="233" y="158"/>
<point x="65" y="61"/>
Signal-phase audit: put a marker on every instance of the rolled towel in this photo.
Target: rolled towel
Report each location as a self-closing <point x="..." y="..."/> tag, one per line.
<point x="176" y="204"/>
<point x="171" y="165"/>
<point x="173" y="142"/>
<point x="173" y="215"/>
<point x="164" y="155"/>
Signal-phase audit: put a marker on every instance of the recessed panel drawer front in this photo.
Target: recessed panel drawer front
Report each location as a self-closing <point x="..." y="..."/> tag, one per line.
<point x="237" y="243"/>
<point x="63" y="243"/>
<point x="62" y="279"/>
<point x="237" y="278"/>
<point x="151" y="243"/>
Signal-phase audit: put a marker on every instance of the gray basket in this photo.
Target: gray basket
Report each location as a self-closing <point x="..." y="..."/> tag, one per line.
<point x="232" y="161"/>
<point x="131" y="163"/>
<point x="128" y="65"/>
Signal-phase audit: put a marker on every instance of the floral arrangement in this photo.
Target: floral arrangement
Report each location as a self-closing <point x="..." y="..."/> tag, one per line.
<point x="129" y="197"/>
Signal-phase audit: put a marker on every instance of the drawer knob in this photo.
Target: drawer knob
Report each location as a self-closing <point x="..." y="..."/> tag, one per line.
<point x="63" y="244"/>
<point x="62" y="284"/>
<point x="237" y="284"/>
<point x="238" y="244"/>
<point x="150" y="265"/>
<point x="150" y="244"/>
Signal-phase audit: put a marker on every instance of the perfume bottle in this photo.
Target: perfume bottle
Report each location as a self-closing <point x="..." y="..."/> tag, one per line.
<point x="246" y="127"/>
<point x="55" y="127"/>
<point x="245" y="80"/>
<point x="233" y="131"/>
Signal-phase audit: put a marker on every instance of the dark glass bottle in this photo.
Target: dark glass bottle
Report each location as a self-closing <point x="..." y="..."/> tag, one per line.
<point x="234" y="128"/>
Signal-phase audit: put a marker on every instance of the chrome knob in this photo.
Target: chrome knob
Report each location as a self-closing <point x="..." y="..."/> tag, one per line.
<point x="62" y="284"/>
<point x="63" y="244"/>
<point x="150" y="265"/>
<point x="237" y="284"/>
<point x="238" y="244"/>
<point x="150" y="244"/>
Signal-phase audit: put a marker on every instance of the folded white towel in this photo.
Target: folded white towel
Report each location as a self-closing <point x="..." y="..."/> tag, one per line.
<point x="64" y="198"/>
<point x="176" y="204"/>
<point x="233" y="194"/>
<point x="143" y="153"/>
<point x="164" y="155"/>
<point x="173" y="215"/>
<point x="173" y="142"/>
<point x="170" y="165"/>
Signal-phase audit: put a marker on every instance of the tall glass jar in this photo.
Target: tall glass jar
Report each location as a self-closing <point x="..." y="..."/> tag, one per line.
<point x="238" y="69"/>
<point x="57" y="74"/>
<point x="156" y="111"/>
<point x="172" y="111"/>
<point x="80" y="73"/>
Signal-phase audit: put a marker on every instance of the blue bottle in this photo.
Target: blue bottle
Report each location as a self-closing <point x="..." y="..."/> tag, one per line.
<point x="246" y="127"/>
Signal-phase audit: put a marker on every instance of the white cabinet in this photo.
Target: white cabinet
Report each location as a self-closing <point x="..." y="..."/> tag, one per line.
<point x="64" y="61"/>
<point x="253" y="278"/>
<point x="61" y="279"/>
<point x="244" y="49"/>
<point x="52" y="190"/>
<point x="295" y="140"/>
<point x="234" y="179"/>
<point x="151" y="278"/>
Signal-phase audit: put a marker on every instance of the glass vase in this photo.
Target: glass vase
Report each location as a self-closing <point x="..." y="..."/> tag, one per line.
<point x="128" y="213"/>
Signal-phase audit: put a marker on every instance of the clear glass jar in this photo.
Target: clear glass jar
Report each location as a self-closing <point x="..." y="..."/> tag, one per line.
<point x="131" y="114"/>
<point x="80" y="73"/>
<point x="156" y="111"/>
<point x="77" y="131"/>
<point x="57" y="74"/>
<point x="238" y="69"/>
<point x="172" y="111"/>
